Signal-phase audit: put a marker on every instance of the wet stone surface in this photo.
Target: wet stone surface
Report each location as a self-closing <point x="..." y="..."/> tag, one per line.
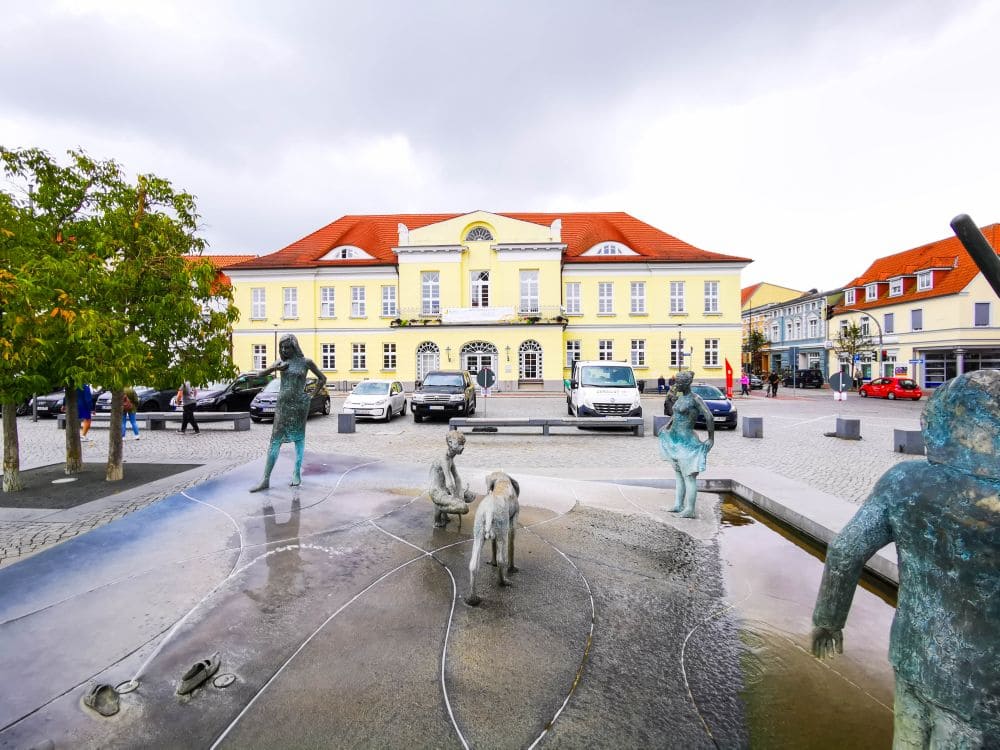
<point x="342" y="629"/>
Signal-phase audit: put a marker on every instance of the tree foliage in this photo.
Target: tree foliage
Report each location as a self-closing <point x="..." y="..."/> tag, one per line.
<point x="850" y="341"/>
<point x="98" y="286"/>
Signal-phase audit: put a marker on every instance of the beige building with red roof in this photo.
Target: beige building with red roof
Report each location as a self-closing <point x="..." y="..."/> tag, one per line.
<point x="935" y="312"/>
<point x="394" y="296"/>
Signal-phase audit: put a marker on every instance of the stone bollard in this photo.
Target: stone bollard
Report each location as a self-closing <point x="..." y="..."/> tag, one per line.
<point x="345" y="422"/>
<point x="753" y="427"/>
<point x="659" y="420"/>
<point x="848" y="429"/>
<point x="908" y="441"/>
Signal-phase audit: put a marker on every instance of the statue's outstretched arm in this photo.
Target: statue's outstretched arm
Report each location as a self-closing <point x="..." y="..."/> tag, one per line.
<point x="867" y="532"/>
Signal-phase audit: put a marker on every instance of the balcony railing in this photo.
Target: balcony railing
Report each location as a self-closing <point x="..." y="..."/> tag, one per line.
<point x="495" y="315"/>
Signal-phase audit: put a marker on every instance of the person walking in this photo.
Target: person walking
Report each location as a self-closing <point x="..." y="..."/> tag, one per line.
<point x="661" y="385"/>
<point x="744" y="384"/>
<point x="84" y="410"/>
<point x="129" y="401"/>
<point x="773" y="379"/>
<point x="189" y="399"/>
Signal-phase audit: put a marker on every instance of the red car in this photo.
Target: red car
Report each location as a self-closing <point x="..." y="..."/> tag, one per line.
<point x="892" y="388"/>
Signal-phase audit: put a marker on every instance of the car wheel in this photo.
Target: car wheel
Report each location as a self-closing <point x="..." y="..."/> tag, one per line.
<point x="402" y="412"/>
<point x="472" y="409"/>
<point x="326" y="407"/>
<point x="891" y="397"/>
<point x="388" y="413"/>
<point x="863" y="393"/>
<point x="256" y="419"/>
<point x="417" y="417"/>
<point x="569" y="408"/>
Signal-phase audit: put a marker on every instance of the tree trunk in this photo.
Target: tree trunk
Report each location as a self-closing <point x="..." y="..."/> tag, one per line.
<point x="11" y="454"/>
<point x="115" y="470"/>
<point x="74" y="458"/>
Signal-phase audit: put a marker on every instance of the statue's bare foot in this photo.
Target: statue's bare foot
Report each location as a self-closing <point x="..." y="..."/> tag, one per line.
<point x="440" y="520"/>
<point x="264" y="484"/>
<point x="675" y="509"/>
<point x="296" y="481"/>
<point x="511" y="569"/>
<point x="472" y="600"/>
<point x="689" y="514"/>
<point x="504" y="582"/>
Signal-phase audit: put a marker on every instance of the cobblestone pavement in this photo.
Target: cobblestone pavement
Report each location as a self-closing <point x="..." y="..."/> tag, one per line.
<point x="793" y="446"/>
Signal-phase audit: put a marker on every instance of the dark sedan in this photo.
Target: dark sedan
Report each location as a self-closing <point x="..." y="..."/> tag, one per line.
<point x="810" y="378"/>
<point x="723" y="411"/>
<point x="51" y="405"/>
<point x="150" y="399"/>
<point x="234" y="397"/>
<point x="265" y="402"/>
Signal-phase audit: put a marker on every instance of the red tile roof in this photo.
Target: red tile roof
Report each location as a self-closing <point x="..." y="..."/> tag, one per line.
<point x="747" y="292"/>
<point x="377" y="235"/>
<point x="948" y="253"/>
<point x="220" y="262"/>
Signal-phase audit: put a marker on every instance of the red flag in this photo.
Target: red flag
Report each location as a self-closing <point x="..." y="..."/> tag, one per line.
<point x="729" y="380"/>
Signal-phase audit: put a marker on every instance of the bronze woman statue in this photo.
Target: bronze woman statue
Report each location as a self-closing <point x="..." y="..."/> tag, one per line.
<point x="292" y="408"/>
<point x="681" y="447"/>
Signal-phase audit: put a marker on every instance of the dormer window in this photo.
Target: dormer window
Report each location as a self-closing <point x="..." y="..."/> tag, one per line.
<point x="895" y="287"/>
<point x="849" y="297"/>
<point x="347" y="252"/>
<point x="479" y="234"/>
<point x="610" y="248"/>
<point x="925" y="281"/>
<point x="871" y="292"/>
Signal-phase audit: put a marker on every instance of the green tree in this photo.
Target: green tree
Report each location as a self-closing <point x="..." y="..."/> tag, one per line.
<point x="850" y="341"/>
<point x="48" y="275"/>
<point x="753" y="344"/>
<point x="164" y="319"/>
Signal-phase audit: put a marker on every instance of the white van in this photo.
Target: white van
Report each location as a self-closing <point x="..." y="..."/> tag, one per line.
<point x="602" y="389"/>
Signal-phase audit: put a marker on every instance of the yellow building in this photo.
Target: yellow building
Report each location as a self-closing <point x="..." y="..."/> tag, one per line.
<point x="525" y="294"/>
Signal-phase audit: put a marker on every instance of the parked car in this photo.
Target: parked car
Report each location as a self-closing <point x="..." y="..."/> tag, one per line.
<point x="602" y="388"/>
<point x="51" y="405"/>
<point x="150" y="399"/>
<point x="891" y="388"/>
<point x="264" y="403"/>
<point x="234" y="397"/>
<point x="444" y="392"/>
<point x="723" y="411"/>
<point x="811" y="378"/>
<point x="756" y="384"/>
<point x="378" y="399"/>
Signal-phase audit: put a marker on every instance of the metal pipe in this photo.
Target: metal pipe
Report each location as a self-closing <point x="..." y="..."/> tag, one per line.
<point x="980" y="250"/>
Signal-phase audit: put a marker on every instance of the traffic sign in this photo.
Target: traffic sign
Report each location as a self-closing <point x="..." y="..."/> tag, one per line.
<point x="485" y="377"/>
<point x="840" y="381"/>
<point x="857" y="357"/>
<point x="916" y="361"/>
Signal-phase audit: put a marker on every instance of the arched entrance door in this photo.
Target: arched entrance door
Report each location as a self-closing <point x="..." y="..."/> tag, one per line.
<point x="529" y="357"/>
<point x="428" y="358"/>
<point x="477" y="355"/>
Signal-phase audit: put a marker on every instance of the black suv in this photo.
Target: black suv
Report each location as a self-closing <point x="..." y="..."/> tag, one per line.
<point x="234" y="397"/>
<point x="445" y="392"/>
<point x="805" y="379"/>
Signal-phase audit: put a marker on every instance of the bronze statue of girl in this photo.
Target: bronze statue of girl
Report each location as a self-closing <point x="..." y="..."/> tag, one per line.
<point x="292" y="408"/>
<point x="681" y="447"/>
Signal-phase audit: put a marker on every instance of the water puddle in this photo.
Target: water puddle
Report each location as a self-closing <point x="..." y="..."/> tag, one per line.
<point x="794" y="700"/>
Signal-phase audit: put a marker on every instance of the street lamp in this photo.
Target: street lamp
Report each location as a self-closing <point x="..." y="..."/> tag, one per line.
<point x="680" y="347"/>
<point x="275" y="359"/>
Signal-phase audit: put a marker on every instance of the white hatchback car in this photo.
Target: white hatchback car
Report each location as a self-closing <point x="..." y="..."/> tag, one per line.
<point x="378" y="399"/>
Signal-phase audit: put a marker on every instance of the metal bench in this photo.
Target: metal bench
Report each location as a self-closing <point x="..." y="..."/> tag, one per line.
<point x="157" y="420"/>
<point x="635" y="424"/>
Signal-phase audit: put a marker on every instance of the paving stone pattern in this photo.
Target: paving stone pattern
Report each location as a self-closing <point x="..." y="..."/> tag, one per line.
<point x="793" y="446"/>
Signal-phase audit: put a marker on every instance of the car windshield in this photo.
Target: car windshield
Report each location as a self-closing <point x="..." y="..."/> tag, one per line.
<point x="707" y="391"/>
<point x="371" y="389"/>
<point x="272" y="387"/>
<point x="608" y="376"/>
<point x="437" y="378"/>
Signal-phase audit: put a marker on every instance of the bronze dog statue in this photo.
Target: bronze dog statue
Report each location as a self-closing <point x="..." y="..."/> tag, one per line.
<point x="496" y="520"/>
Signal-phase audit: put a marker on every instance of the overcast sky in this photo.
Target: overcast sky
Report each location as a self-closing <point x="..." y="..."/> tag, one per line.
<point x="809" y="136"/>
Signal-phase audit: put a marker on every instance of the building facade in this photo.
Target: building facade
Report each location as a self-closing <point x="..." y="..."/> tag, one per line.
<point x="797" y="332"/>
<point x="394" y="296"/>
<point x="929" y="311"/>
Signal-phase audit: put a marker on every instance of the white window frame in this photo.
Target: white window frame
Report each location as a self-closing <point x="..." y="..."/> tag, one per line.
<point x="574" y="347"/>
<point x="637" y="297"/>
<point x="895" y="287"/>
<point x="327" y="302"/>
<point x="871" y="292"/>
<point x="258" y="303"/>
<point x="328" y="356"/>
<point x="775" y="332"/>
<point x="259" y="356"/>
<point x="925" y="281"/>
<point x="711" y="297"/>
<point x="849" y="297"/>
<point x="605" y="298"/>
<point x="529" y="301"/>
<point x="677" y="298"/>
<point x="889" y="323"/>
<point x="573" y="301"/>
<point x="430" y="292"/>
<point x="813" y="327"/>
<point x="358" y="302"/>
<point x="359" y="357"/>
<point x="605" y="349"/>
<point x="976" y="307"/>
<point x="479" y="289"/>
<point x="711" y="353"/>
<point x="290" y="302"/>
<point x="865" y="325"/>
<point x="389" y="356"/>
<point x="917" y="312"/>
<point x="637" y="353"/>
<point x="389" y="309"/>
<point x="676" y="350"/>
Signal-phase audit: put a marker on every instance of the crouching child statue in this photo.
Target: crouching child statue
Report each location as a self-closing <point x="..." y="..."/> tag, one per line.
<point x="944" y="516"/>
<point x="447" y="491"/>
